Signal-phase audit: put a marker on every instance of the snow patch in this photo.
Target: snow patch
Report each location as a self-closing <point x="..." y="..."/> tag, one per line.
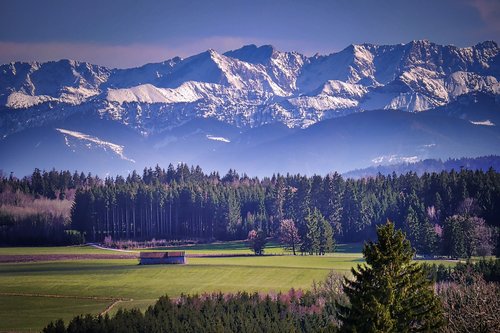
<point x="18" y="100"/>
<point x="394" y="159"/>
<point x="460" y="83"/>
<point x="343" y="89"/>
<point x="69" y="95"/>
<point x="483" y="123"/>
<point x="217" y="138"/>
<point x="89" y="140"/>
<point x="148" y="93"/>
<point x="323" y="102"/>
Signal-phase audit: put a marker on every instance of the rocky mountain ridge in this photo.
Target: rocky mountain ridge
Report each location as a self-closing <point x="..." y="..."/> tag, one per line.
<point x="248" y="87"/>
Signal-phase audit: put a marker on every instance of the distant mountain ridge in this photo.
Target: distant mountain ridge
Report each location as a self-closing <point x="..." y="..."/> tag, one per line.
<point x="483" y="163"/>
<point x="249" y="87"/>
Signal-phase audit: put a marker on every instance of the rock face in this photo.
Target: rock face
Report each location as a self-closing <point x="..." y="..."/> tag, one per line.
<point x="254" y="106"/>
<point x="249" y="87"/>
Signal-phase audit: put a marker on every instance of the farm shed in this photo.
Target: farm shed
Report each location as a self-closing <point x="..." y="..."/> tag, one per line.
<point x="153" y="258"/>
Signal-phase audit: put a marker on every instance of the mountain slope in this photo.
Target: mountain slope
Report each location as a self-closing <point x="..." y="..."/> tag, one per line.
<point x="340" y="144"/>
<point x="371" y="138"/>
<point x="249" y="87"/>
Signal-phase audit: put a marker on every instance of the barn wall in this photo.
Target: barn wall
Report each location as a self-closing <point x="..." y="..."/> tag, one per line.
<point x="166" y="260"/>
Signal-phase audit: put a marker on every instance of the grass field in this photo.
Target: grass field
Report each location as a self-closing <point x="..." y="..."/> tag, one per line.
<point x="106" y="279"/>
<point x="18" y="313"/>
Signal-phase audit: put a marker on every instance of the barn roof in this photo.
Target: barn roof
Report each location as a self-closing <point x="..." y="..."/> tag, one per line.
<point x="160" y="255"/>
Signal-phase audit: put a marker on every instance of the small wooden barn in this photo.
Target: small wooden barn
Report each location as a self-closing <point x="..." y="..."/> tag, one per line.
<point x="155" y="258"/>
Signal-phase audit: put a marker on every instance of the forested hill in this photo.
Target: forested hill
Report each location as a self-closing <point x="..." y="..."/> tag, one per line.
<point x="453" y="213"/>
<point x="429" y="165"/>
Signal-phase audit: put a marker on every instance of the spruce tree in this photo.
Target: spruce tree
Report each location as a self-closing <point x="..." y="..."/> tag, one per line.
<point x="391" y="293"/>
<point x="326" y="241"/>
<point x="311" y="243"/>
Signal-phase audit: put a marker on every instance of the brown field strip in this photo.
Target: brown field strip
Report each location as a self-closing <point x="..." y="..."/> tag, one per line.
<point x="20" y="258"/>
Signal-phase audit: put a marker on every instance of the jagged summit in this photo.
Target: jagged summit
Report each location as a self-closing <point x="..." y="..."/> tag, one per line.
<point x="491" y="44"/>
<point x="253" y="54"/>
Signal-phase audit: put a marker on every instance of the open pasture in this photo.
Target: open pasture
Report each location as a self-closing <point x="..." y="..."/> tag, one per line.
<point x="30" y="292"/>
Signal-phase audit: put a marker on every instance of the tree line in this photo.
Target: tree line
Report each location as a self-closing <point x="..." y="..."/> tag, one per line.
<point x="451" y="213"/>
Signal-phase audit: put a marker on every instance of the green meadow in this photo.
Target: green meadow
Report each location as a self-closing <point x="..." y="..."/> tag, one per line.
<point x="91" y="285"/>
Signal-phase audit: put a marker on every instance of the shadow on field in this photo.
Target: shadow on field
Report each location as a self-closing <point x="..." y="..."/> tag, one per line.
<point x="349" y="248"/>
<point x="219" y="246"/>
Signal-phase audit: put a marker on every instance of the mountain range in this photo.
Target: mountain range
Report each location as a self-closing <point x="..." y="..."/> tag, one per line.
<point x="483" y="163"/>
<point x="255" y="109"/>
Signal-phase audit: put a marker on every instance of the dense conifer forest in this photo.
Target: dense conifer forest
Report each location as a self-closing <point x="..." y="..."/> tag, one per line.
<point x="451" y="213"/>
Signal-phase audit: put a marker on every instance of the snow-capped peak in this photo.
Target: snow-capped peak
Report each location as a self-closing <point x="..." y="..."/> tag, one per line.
<point x="251" y="86"/>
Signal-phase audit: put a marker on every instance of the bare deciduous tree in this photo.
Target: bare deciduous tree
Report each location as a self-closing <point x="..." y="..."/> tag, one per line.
<point x="289" y="235"/>
<point x="470" y="303"/>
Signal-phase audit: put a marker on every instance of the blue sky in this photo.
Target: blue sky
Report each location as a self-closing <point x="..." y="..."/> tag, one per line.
<point x="126" y="33"/>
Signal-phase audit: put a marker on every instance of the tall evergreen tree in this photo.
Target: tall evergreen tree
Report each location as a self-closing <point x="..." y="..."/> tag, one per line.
<point x="391" y="293"/>
<point x="333" y="185"/>
<point x="311" y="243"/>
<point x="326" y="242"/>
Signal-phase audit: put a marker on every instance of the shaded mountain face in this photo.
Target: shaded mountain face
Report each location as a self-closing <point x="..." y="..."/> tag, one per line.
<point x="380" y="137"/>
<point x="256" y="109"/>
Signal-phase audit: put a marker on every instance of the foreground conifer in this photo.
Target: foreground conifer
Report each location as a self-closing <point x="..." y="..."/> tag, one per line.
<point x="391" y="293"/>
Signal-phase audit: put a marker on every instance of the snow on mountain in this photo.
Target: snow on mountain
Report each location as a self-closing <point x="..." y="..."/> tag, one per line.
<point x="90" y="141"/>
<point x="150" y="73"/>
<point x="249" y="87"/>
<point x="67" y="95"/>
<point x="148" y="93"/>
<point x="483" y="123"/>
<point x="334" y="95"/>
<point x="24" y="85"/>
<point x="212" y="67"/>
<point x="283" y="67"/>
<point x="323" y="102"/>
<point x="19" y="100"/>
<point x="461" y="83"/>
<point x="218" y="138"/>
<point x="343" y="89"/>
<point x="394" y="159"/>
<point x="425" y="82"/>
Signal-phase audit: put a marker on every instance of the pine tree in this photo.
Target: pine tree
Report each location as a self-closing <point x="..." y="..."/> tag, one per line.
<point x="333" y="186"/>
<point x="412" y="227"/>
<point x="390" y="293"/>
<point x="311" y="243"/>
<point x="326" y="241"/>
